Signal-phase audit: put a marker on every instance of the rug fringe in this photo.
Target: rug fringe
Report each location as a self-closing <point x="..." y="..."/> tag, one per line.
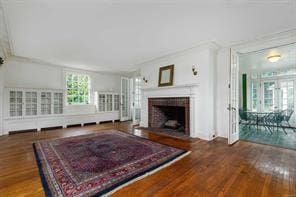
<point x="147" y="174"/>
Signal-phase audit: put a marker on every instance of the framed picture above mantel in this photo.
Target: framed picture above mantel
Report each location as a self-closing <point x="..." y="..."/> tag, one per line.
<point x="166" y="76"/>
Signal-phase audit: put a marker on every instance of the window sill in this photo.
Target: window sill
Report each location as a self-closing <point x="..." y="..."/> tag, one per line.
<point x="67" y="104"/>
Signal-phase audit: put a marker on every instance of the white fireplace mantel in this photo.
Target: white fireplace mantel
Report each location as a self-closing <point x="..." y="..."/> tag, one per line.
<point x="198" y="127"/>
<point x="169" y="91"/>
<point x="170" y="87"/>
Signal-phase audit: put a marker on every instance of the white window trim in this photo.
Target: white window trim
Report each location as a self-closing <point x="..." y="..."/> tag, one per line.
<point x="79" y="72"/>
<point x="259" y="82"/>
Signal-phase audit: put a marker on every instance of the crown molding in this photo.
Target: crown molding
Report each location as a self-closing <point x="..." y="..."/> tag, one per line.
<point x="45" y="63"/>
<point x="266" y="42"/>
<point x="6" y="42"/>
<point x="201" y="47"/>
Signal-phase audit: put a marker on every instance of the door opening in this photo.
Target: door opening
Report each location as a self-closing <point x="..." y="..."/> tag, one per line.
<point x="233" y="98"/>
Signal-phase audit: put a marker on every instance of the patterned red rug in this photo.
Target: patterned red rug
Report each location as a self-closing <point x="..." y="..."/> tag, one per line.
<point x="100" y="163"/>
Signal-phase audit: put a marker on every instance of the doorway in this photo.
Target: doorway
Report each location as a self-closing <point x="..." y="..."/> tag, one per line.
<point x="136" y="100"/>
<point x="267" y="96"/>
<point x="124" y="99"/>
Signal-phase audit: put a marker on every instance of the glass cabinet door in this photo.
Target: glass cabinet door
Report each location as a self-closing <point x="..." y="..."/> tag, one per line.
<point x="102" y="102"/>
<point x="15" y="103"/>
<point x="31" y="103"/>
<point x="58" y="103"/>
<point x="45" y="103"/>
<point x="109" y="102"/>
<point x="116" y="102"/>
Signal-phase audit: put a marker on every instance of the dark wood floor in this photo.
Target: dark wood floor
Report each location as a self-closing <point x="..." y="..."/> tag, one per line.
<point x="212" y="169"/>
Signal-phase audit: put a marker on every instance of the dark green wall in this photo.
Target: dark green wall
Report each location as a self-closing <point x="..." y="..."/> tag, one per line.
<point x="244" y="84"/>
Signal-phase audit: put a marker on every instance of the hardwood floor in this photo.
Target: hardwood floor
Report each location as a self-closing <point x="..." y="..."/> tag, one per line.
<point x="212" y="169"/>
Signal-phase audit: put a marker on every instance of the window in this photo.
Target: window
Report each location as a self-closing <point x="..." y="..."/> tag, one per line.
<point x="287" y="72"/>
<point x="268" y="74"/>
<point x="286" y="91"/>
<point x="78" y="88"/>
<point x="254" y="96"/>
<point x="137" y="99"/>
<point x="269" y="96"/>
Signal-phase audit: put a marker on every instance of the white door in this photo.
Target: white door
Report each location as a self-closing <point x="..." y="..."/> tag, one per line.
<point x="269" y="102"/>
<point x="277" y="95"/>
<point x="286" y="95"/>
<point x="233" y="99"/>
<point x="124" y="99"/>
<point x="136" y="100"/>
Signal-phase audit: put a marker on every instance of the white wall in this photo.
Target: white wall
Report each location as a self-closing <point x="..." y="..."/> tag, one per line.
<point x="204" y="58"/>
<point x="26" y="74"/>
<point x="1" y="88"/>
<point x="1" y="97"/>
<point x="222" y="92"/>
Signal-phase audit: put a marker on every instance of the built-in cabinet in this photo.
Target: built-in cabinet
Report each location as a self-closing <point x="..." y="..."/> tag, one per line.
<point x="32" y="102"/>
<point x="42" y="108"/>
<point x="58" y="103"/>
<point x="15" y="103"/>
<point x="107" y="102"/>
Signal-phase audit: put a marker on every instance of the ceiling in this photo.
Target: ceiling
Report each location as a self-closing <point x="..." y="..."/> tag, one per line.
<point x="116" y="36"/>
<point x="257" y="61"/>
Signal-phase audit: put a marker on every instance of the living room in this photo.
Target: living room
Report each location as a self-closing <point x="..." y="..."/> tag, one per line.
<point x="108" y="98"/>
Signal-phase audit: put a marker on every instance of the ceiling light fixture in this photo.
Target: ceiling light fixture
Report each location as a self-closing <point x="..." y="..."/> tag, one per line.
<point x="274" y="58"/>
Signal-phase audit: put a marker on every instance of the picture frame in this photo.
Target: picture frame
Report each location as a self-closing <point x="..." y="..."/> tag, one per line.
<point x="166" y="76"/>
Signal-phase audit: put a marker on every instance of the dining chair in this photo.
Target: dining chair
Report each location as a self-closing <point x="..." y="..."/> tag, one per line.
<point x="279" y="119"/>
<point x="268" y="121"/>
<point x="243" y="117"/>
<point x="246" y="118"/>
<point x="287" y="114"/>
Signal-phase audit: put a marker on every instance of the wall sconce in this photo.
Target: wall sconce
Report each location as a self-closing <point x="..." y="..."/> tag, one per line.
<point x="194" y="70"/>
<point x="145" y="80"/>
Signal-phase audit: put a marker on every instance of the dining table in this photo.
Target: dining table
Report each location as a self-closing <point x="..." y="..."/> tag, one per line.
<point x="258" y="117"/>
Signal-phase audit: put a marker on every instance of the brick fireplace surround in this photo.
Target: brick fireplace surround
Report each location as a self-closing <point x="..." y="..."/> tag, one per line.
<point x="156" y="116"/>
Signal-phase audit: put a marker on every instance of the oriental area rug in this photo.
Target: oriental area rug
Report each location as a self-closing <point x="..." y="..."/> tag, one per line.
<point x="99" y="164"/>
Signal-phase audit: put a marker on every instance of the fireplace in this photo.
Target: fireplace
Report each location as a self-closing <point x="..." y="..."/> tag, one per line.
<point x="169" y="113"/>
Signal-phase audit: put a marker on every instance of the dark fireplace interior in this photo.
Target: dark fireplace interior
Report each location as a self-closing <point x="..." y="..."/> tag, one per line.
<point x="173" y="115"/>
<point x="170" y="114"/>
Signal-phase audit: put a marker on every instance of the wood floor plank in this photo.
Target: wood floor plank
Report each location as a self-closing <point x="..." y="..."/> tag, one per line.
<point x="212" y="169"/>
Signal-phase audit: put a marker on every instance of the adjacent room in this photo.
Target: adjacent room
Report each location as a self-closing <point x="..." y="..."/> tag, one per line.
<point x="268" y="96"/>
<point x="147" y="98"/>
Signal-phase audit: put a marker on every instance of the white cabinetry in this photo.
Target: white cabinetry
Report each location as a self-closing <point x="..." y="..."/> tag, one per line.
<point x="116" y="102"/>
<point x="107" y="105"/>
<point x="58" y="101"/>
<point x="32" y="109"/>
<point x="42" y="108"/>
<point x="46" y="103"/>
<point x="32" y="103"/>
<point x="102" y="102"/>
<point x="107" y="102"/>
<point x="16" y="103"/>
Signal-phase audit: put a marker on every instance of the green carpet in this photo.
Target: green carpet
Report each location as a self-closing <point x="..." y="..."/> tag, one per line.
<point x="263" y="136"/>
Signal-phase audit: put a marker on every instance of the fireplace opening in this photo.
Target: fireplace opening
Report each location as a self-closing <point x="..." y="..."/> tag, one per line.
<point x="170" y="114"/>
<point x="173" y="118"/>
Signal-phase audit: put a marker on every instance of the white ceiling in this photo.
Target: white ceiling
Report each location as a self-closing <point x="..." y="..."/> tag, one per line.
<point x="257" y="61"/>
<point x="112" y="36"/>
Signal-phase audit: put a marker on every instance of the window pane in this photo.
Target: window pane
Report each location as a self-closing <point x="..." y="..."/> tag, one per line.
<point x="254" y="97"/>
<point x="269" y="96"/>
<point x="77" y="88"/>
